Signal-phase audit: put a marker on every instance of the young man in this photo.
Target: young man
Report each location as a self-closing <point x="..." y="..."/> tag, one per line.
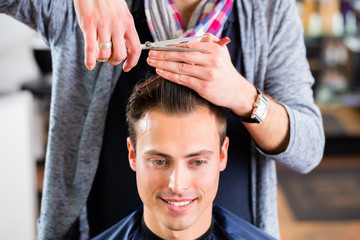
<point x="177" y="147"/>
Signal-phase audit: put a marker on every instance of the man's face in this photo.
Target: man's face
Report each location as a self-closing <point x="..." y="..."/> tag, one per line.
<point x="177" y="163"/>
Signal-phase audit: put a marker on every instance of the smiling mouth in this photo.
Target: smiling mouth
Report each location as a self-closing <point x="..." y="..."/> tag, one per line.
<point x="179" y="204"/>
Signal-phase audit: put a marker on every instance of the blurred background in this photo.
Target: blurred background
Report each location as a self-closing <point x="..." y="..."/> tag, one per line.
<point x="324" y="204"/>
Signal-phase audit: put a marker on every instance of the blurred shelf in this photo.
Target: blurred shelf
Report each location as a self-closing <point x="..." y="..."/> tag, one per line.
<point x="342" y="129"/>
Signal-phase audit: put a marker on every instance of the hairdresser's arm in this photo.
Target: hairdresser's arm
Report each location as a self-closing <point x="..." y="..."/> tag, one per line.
<point x="214" y="77"/>
<point x="108" y="20"/>
<point x="296" y="122"/>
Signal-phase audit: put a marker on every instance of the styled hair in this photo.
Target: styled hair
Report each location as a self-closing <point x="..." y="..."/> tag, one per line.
<point x="157" y="93"/>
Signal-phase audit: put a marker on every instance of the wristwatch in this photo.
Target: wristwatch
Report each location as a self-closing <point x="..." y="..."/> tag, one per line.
<point x="259" y="111"/>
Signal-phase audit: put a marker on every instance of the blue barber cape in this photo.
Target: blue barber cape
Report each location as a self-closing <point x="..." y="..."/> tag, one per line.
<point x="226" y="225"/>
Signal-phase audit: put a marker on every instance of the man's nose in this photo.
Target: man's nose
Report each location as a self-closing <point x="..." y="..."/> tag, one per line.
<point x="179" y="179"/>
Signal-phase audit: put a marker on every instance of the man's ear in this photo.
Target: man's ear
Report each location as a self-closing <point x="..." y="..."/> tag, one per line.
<point x="224" y="154"/>
<point x="131" y="156"/>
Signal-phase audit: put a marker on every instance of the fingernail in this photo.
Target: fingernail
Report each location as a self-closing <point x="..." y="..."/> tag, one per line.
<point x="150" y="60"/>
<point x="223" y="41"/>
<point x="90" y="67"/>
<point x="159" y="70"/>
<point x="153" y="53"/>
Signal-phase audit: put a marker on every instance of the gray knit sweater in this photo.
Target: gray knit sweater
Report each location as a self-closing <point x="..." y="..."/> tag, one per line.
<point x="274" y="58"/>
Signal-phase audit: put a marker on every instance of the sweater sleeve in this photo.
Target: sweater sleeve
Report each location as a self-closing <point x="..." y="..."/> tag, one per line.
<point x="289" y="81"/>
<point x="79" y="101"/>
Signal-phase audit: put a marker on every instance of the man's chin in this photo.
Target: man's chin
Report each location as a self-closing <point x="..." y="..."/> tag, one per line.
<point x="179" y="221"/>
<point x="178" y="226"/>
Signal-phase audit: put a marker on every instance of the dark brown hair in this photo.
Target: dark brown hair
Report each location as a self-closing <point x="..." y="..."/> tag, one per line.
<point x="171" y="98"/>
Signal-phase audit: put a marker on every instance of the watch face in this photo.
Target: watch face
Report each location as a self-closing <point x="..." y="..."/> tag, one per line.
<point x="261" y="110"/>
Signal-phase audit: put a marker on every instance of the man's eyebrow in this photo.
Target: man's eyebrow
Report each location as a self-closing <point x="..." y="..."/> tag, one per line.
<point x="157" y="153"/>
<point x="198" y="153"/>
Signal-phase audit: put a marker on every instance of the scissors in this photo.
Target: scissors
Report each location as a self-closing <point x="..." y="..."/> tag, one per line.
<point x="164" y="45"/>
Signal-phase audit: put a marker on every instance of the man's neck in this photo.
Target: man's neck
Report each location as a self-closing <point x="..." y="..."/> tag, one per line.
<point x="152" y="236"/>
<point x="186" y="8"/>
<point x="195" y="231"/>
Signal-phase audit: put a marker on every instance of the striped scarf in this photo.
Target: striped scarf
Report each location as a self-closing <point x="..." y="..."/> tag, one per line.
<point x="165" y="23"/>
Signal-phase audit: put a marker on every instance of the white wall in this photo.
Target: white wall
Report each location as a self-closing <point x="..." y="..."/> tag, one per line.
<point x="17" y="169"/>
<point x="21" y="131"/>
<point x="17" y="64"/>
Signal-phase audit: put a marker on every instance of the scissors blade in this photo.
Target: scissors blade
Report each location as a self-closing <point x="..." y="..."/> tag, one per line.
<point x="164" y="45"/>
<point x="175" y="49"/>
<point x="175" y="41"/>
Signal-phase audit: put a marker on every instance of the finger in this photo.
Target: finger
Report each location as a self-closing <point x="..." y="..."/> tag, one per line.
<point x="181" y="68"/>
<point x="198" y="58"/>
<point x="223" y="41"/>
<point x="209" y="38"/>
<point x="119" y="49"/>
<point x="212" y="47"/>
<point x="133" y="48"/>
<point x="104" y="50"/>
<point x="104" y="37"/>
<point x="188" y="81"/>
<point x="90" y="47"/>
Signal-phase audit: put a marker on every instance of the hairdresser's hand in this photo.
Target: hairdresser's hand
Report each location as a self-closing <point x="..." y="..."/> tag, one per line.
<point x="211" y="74"/>
<point x="108" y="20"/>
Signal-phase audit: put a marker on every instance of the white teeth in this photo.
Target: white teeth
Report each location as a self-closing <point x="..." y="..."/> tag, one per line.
<point x="179" y="204"/>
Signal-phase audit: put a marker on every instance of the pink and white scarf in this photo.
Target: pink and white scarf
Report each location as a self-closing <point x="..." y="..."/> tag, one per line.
<point x="165" y="23"/>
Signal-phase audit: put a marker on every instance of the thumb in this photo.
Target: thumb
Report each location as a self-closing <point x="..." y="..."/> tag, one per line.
<point x="209" y="38"/>
<point x="223" y="41"/>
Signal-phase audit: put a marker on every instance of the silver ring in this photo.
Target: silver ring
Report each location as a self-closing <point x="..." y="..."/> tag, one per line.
<point x="105" y="45"/>
<point x="102" y="60"/>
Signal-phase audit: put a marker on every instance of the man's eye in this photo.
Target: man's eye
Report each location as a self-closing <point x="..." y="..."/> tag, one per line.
<point x="198" y="162"/>
<point x="159" y="162"/>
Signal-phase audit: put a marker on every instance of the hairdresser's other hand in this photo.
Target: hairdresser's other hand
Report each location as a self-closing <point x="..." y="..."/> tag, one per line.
<point x="211" y="74"/>
<point x="108" y="20"/>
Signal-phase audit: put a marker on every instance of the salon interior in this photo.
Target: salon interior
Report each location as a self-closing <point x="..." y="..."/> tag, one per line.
<point x="321" y="205"/>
